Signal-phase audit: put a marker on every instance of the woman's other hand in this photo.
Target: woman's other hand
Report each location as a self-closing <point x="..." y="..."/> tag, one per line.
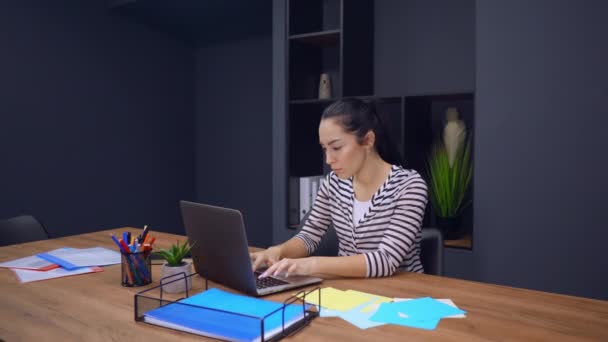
<point x="266" y="257"/>
<point x="287" y="267"/>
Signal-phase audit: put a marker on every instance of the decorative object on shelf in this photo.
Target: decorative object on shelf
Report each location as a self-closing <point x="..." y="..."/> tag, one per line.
<point x="454" y="133"/>
<point x="175" y="265"/>
<point x="450" y="171"/>
<point x="324" y="87"/>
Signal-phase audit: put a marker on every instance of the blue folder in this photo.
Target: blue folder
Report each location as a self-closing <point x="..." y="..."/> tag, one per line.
<point x="194" y="315"/>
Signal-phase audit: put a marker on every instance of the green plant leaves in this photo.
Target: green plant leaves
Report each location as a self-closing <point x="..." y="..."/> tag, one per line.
<point x="175" y="253"/>
<point x="449" y="185"/>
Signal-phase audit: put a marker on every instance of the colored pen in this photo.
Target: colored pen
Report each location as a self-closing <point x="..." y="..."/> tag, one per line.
<point x="116" y="241"/>
<point x="124" y="246"/>
<point x="131" y="263"/>
<point x="144" y="235"/>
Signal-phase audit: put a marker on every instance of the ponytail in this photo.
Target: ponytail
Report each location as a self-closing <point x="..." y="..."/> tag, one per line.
<point x="359" y="117"/>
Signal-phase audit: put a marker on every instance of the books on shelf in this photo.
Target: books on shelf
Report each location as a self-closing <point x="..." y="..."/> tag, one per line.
<point x="303" y="193"/>
<point x="228" y="316"/>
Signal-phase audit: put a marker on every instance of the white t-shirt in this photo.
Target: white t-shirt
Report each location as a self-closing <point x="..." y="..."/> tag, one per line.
<point x="359" y="210"/>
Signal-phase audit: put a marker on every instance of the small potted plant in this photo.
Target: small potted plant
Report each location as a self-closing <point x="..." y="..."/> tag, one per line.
<point x="174" y="265"/>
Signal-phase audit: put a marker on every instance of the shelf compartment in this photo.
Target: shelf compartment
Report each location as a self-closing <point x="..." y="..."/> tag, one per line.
<point x="424" y="118"/>
<point x="307" y="16"/>
<point x="323" y="38"/>
<point x="305" y="153"/>
<point x="306" y="64"/>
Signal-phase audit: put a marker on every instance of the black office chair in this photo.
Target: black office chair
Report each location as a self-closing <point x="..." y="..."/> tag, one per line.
<point x="431" y="251"/>
<point x="21" y="229"/>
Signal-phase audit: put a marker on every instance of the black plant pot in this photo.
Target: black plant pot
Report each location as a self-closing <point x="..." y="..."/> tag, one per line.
<point x="450" y="226"/>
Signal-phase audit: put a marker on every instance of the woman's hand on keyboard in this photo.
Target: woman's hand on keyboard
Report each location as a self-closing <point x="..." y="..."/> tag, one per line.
<point x="302" y="266"/>
<point x="266" y="257"/>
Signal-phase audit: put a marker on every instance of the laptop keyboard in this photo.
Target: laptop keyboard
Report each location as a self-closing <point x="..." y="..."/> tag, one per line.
<point x="262" y="283"/>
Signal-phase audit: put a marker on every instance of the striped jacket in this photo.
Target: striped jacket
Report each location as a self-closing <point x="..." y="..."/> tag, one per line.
<point x="388" y="235"/>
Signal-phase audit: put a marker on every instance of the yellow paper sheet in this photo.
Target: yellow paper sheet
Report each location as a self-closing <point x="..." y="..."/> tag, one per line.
<point x="375" y="300"/>
<point x="334" y="299"/>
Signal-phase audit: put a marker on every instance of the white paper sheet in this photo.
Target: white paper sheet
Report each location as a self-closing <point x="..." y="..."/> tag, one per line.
<point x="26" y="276"/>
<point x="81" y="257"/>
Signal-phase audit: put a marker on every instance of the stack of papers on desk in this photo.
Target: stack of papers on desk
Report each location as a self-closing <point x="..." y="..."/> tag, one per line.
<point x="224" y="315"/>
<point x="62" y="262"/>
<point x="352" y="306"/>
<point x="30" y="263"/>
<point x="338" y="300"/>
<point x="366" y="310"/>
<point x="27" y="276"/>
<point x="72" y="258"/>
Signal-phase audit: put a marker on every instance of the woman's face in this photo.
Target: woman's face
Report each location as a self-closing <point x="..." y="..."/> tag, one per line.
<point x="343" y="153"/>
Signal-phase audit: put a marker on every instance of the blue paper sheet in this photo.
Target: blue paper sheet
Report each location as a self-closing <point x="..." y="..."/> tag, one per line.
<point x="425" y="308"/>
<point x="354" y="316"/>
<point x="360" y="319"/>
<point x="194" y="318"/>
<point x="423" y="313"/>
<point x="387" y="314"/>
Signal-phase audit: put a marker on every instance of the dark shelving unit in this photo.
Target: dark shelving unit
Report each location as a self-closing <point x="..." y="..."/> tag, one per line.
<point x="333" y="37"/>
<point x="337" y="37"/>
<point x="307" y="16"/>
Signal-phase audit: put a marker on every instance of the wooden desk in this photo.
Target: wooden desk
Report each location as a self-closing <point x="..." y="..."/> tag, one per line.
<point x="95" y="307"/>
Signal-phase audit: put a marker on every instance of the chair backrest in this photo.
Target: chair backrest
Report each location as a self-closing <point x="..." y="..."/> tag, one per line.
<point x="431" y="251"/>
<point x="21" y="229"/>
<point x="329" y="244"/>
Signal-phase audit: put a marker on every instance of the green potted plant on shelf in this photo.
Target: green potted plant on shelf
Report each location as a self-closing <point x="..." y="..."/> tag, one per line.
<point x="174" y="264"/>
<point x="450" y="172"/>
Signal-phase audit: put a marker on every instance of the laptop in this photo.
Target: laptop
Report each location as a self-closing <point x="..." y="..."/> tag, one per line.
<point x="221" y="253"/>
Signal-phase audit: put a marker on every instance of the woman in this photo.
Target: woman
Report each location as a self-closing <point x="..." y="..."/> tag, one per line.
<point x="375" y="205"/>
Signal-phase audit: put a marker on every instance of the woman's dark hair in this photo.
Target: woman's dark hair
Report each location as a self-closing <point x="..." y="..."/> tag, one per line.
<point x="359" y="117"/>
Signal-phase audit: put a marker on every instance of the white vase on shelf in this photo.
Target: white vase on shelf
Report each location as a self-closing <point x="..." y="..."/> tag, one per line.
<point x="324" y="87"/>
<point x="454" y="133"/>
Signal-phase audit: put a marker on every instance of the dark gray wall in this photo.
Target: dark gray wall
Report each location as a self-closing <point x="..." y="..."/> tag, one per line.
<point x="280" y="233"/>
<point x="95" y="118"/>
<point x="424" y="47"/>
<point x="234" y="131"/>
<point x="539" y="73"/>
<point x="200" y="22"/>
<point x="541" y="160"/>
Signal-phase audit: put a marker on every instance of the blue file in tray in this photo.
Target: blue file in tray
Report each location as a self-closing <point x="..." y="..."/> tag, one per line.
<point x="193" y="315"/>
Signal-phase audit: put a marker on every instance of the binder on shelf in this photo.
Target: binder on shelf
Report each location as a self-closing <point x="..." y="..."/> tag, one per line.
<point x="305" y="196"/>
<point x="224" y="315"/>
<point x="309" y="186"/>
